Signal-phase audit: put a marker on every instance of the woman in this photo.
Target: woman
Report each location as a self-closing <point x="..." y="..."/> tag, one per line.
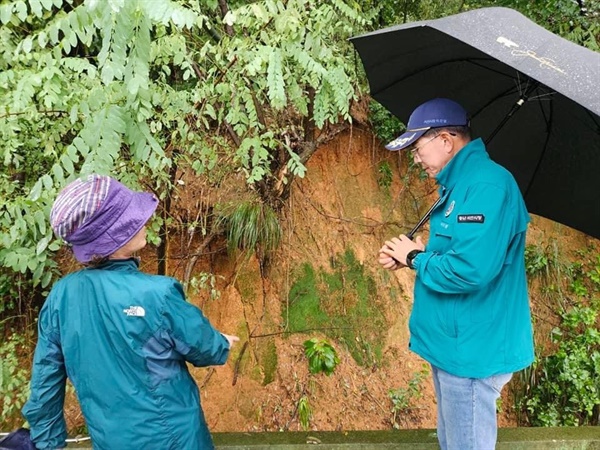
<point x="121" y="336"/>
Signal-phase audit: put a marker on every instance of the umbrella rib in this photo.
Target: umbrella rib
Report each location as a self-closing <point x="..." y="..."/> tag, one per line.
<point x="506" y="93"/>
<point x="524" y="97"/>
<point x="539" y="161"/>
<point x="423" y="69"/>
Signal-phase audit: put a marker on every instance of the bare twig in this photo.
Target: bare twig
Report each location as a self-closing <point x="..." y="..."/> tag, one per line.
<point x="20" y="113"/>
<point x="210" y="373"/>
<point x="299" y="331"/>
<point x="238" y="361"/>
<point x="197" y="253"/>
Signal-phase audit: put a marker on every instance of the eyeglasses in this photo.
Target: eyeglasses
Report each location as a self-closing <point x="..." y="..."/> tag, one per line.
<point x="415" y="150"/>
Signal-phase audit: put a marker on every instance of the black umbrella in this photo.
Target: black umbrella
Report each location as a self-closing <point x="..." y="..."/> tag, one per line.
<point x="534" y="98"/>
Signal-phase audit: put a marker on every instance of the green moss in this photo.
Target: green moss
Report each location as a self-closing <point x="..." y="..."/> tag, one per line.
<point x="304" y="309"/>
<point x="342" y="303"/>
<point x="269" y="362"/>
<point x="256" y="373"/>
<point x="242" y="332"/>
<point x="248" y="283"/>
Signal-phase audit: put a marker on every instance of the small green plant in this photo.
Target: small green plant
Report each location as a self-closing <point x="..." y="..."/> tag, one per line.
<point x="204" y="281"/>
<point x="403" y="398"/>
<point x="384" y="175"/>
<point x="536" y="260"/>
<point x="304" y="412"/>
<point x="14" y="380"/>
<point x="322" y="357"/>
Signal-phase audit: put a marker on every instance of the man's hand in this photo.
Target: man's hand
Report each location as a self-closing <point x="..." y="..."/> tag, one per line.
<point x="231" y="339"/>
<point x="386" y="261"/>
<point x="398" y="248"/>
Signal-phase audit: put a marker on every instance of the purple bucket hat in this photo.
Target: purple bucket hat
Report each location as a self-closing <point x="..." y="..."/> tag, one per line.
<point x="99" y="215"/>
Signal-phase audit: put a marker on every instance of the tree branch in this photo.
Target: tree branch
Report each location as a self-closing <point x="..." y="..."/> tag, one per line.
<point x="224" y="10"/>
<point x="310" y="147"/>
<point x="309" y="120"/>
<point x="197" y="252"/>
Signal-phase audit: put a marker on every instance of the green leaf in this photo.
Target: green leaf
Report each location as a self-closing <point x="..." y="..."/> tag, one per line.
<point x="40" y="219"/>
<point x="5" y="13"/>
<point x="36" y="191"/>
<point x="275" y="81"/>
<point x="46" y="278"/>
<point x="36" y="7"/>
<point x="67" y="164"/>
<point x="42" y="39"/>
<point x="21" y="9"/>
<point x="47" y="182"/>
<point x="42" y="245"/>
<point x="58" y="173"/>
<point x="27" y="44"/>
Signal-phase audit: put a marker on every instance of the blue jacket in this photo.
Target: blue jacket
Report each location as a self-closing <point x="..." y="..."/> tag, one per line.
<point x="123" y="338"/>
<point x="471" y="314"/>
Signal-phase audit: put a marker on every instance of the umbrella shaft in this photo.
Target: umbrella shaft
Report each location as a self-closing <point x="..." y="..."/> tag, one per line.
<point x="424" y="219"/>
<point x="513" y="110"/>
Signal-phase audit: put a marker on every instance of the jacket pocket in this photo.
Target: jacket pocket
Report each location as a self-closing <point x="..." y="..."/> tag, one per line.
<point x="442" y="240"/>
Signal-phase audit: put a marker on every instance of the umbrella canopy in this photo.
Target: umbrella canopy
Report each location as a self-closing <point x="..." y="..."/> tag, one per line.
<point x="534" y="97"/>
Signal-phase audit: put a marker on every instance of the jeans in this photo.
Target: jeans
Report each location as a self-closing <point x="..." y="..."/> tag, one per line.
<point x="467" y="410"/>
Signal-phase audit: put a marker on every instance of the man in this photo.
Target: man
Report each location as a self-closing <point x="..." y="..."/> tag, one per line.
<point x="471" y="318"/>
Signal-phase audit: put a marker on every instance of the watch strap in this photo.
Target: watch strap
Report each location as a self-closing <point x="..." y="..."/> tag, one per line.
<point x="411" y="256"/>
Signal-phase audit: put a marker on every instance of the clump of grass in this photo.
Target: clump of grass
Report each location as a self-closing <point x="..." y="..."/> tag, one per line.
<point x="250" y="226"/>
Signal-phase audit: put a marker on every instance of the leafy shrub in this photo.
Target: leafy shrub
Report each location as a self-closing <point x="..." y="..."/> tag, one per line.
<point x="14" y="380"/>
<point x="322" y="357"/>
<point x="564" y="386"/>
<point x="384" y="175"/>
<point x="386" y="126"/>
<point x="567" y="392"/>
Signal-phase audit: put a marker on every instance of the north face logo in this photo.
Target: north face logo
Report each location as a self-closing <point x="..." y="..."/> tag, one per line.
<point x="136" y="311"/>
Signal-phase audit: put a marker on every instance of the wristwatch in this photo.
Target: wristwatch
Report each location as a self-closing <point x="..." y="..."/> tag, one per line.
<point x="411" y="256"/>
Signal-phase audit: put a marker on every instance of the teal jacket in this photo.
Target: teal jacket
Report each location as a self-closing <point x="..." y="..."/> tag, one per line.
<point x="123" y="338"/>
<point x="471" y="314"/>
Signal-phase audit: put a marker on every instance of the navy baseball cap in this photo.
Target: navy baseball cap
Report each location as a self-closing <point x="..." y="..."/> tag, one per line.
<point x="436" y="113"/>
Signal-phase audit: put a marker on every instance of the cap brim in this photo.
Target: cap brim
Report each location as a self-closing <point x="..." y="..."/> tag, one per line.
<point x="405" y="140"/>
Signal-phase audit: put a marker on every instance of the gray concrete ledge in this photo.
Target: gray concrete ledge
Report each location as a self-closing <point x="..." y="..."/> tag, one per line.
<point x="567" y="438"/>
<point x="572" y="438"/>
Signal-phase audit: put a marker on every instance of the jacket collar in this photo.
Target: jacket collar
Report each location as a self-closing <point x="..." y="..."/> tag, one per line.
<point x="462" y="163"/>
<point x="128" y="264"/>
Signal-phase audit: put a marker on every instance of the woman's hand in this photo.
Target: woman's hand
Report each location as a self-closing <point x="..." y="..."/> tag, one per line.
<point x="231" y="339"/>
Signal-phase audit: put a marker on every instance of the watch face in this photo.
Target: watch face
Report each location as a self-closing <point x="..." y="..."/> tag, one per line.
<point x="411" y="256"/>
